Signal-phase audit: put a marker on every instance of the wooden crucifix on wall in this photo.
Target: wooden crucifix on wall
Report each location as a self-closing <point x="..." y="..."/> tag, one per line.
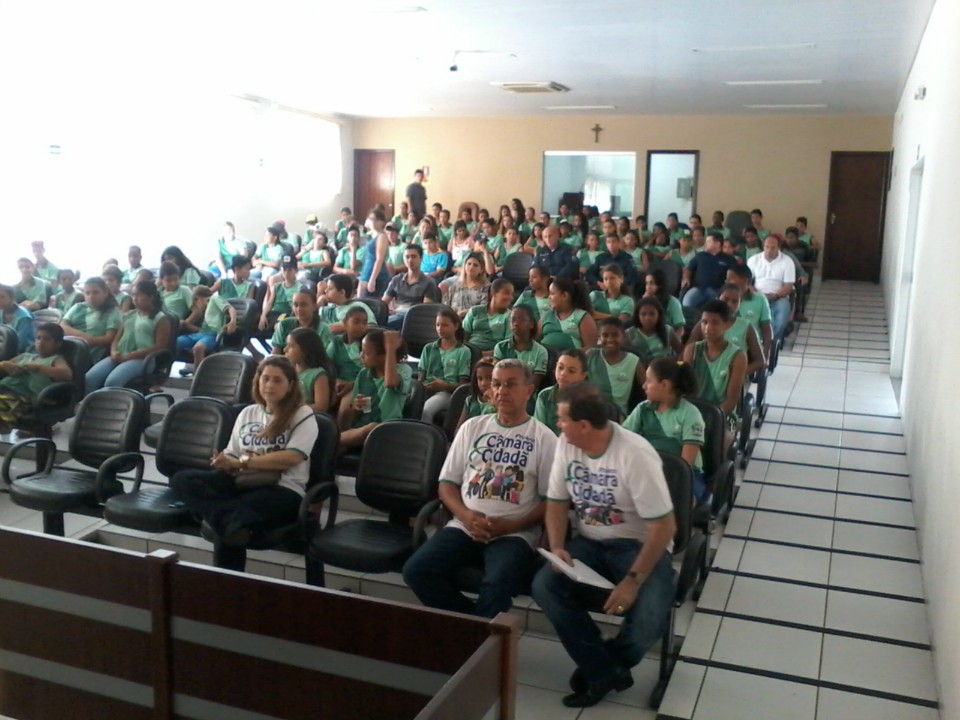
<point x="596" y="130"/>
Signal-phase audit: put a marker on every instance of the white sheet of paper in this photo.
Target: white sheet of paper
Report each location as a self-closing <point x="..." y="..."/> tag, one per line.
<point x="580" y="572"/>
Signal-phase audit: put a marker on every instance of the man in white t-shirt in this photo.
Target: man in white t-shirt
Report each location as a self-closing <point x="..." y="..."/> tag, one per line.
<point x="493" y="483"/>
<point x="774" y="275"/>
<point x="625" y="528"/>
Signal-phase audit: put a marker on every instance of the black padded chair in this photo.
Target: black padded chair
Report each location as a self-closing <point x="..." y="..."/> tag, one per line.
<point x="46" y="315"/>
<point x="738" y="221"/>
<point x="9" y="343"/>
<point x="398" y="475"/>
<point x="248" y="314"/>
<point x="207" y="278"/>
<point x="105" y="436"/>
<point x="416" y="397"/>
<point x="457" y="401"/>
<point x="379" y="308"/>
<point x="58" y="401"/>
<point x="158" y="364"/>
<point x="192" y="430"/>
<point x="718" y="471"/>
<point x="672" y="275"/>
<point x="420" y="326"/>
<point x="516" y="269"/>
<point x="226" y="376"/>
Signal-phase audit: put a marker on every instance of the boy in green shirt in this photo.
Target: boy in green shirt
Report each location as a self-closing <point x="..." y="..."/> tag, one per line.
<point x="613" y="370"/>
<point x="177" y="299"/>
<point x="206" y="322"/>
<point x="344" y="349"/>
<point x="336" y="303"/>
<point x="239" y="286"/>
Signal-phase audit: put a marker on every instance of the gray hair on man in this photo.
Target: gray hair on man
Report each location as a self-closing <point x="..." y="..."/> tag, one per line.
<point x="516" y="364"/>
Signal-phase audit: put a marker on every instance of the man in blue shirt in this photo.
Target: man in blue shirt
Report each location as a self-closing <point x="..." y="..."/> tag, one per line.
<point x="558" y="258"/>
<point x="707" y="272"/>
<point x="613" y="256"/>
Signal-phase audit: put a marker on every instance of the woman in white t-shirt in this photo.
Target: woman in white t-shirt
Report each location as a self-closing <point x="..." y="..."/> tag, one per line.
<point x="257" y="482"/>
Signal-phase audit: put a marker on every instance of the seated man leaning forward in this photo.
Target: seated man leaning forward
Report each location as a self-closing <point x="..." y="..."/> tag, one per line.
<point x="493" y="482"/>
<point x="625" y="528"/>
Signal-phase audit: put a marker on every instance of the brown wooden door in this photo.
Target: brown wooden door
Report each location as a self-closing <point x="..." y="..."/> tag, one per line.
<point x="373" y="181"/>
<point x="854" y="229"/>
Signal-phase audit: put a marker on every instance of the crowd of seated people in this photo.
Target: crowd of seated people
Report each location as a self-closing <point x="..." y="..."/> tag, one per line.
<point x="597" y="310"/>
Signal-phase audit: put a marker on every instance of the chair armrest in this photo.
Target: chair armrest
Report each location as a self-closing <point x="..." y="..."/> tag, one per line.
<point x="112" y="465"/>
<point x="152" y="397"/>
<point x="153" y="362"/>
<point x="15" y="450"/>
<point x="56" y="394"/>
<point x="423" y="517"/>
<point x="321" y="492"/>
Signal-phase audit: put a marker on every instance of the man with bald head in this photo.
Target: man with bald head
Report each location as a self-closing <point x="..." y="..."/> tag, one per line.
<point x="558" y="258"/>
<point x="774" y="276"/>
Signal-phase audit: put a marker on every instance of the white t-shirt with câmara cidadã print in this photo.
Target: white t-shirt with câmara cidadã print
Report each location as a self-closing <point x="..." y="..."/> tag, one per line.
<point x="301" y="436"/>
<point x="501" y="471"/>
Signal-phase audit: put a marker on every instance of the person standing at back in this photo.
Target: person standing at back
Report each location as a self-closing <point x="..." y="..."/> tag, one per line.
<point x="417" y="194"/>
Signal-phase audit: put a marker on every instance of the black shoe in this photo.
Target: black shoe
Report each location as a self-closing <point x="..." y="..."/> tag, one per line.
<point x="598" y="691"/>
<point x="621" y="682"/>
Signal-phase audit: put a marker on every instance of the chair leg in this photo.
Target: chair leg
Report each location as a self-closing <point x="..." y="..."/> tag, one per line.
<point x="668" y="659"/>
<point x="53" y="524"/>
<point x="315" y="573"/>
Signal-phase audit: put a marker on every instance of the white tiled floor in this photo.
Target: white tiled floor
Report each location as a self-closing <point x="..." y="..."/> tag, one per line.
<point x="814" y="610"/>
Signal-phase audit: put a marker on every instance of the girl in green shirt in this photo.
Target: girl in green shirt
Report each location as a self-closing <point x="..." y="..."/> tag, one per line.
<point x="568" y="323"/>
<point x="144" y="331"/>
<point x="650" y="334"/>
<point x="537" y="294"/>
<point x="521" y="346"/>
<point x="32" y="293"/>
<point x="487" y="325"/>
<point x="589" y="254"/>
<point x="478" y="401"/>
<point x="314" y="369"/>
<point x="189" y="275"/>
<point x="113" y="277"/>
<point x="654" y="286"/>
<point x="96" y="320"/>
<point x="68" y="295"/>
<point x="23" y="377"/>
<point x="612" y="301"/>
<point x="571" y="369"/>
<point x="444" y="364"/>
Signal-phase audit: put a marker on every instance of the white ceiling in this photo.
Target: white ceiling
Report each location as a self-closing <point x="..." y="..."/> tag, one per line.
<point x="362" y="58"/>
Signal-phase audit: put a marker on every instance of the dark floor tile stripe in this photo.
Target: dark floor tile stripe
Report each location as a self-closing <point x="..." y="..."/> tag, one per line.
<point x="826" y="490"/>
<point x="835" y="551"/>
<point x="823" y="586"/>
<point x="830" y="517"/>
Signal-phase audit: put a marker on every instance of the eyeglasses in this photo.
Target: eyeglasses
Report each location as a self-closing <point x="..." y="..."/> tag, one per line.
<point x="512" y="385"/>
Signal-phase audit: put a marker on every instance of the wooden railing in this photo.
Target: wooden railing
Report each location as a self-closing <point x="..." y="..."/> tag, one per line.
<point x="93" y="632"/>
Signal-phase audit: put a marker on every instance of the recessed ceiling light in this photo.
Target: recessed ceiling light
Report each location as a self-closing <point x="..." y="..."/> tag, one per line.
<point x="773" y="82"/>
<point x="580" y="107"/>
<point x="752" y="48"/>
<point x="786" y="107"/>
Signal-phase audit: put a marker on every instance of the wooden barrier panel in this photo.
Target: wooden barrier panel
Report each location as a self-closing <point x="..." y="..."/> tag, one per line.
<point x="90" y="631"/>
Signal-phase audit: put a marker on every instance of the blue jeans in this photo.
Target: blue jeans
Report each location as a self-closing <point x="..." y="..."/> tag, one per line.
<point x="780" y="312"/>
<point x="696" y="297"/>
<point x="508" y="564"/>
<point x="395" y="321"/>
<point x="185" y="343"/>
<point x="107" y="373"/>
<point x="567" y="603"/>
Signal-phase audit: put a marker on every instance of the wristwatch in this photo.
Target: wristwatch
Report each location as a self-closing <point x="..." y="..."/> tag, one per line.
<point x="244" y="461"/>
<point x="637" y="577"/>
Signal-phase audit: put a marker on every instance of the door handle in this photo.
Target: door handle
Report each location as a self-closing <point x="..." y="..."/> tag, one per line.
<point x="833" y="218"/>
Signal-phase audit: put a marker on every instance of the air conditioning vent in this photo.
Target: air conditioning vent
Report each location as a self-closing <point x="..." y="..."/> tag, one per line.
<point x="532" y="87"/>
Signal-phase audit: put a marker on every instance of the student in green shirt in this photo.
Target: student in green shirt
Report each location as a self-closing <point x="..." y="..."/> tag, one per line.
<point x="315" y="371"/>
<point x="211" y="315"/>
<point x="46" y="270"/>
<point x="316" y="259"/>
<point x="804" y="234"/>
<point x="445" y="229"/>
<point x="612" y="369"/>
<point x="23" y="377"/>
<point x="655" y="287"/>
<point x="239" y="286"/>
<point x="521" y="345"/>
<point x="612" y="301"/>
<point x="650" y="335"/>
<point x="444" y="364"/>
<point x="177" y="298"/>
<point x="634" y="248"/>
<point x="380" y="390"/>
<point x="344" y="350"/>
<point x="685" y="250"/>
<point x="718" y="226"/>
<point x="569" y="322"/>
<point x="135" y="260"/>
<point x="96" y="320"/>
<point x="754" y="306"/>
<point x="336" y="302"/>
<point x="589" y="253"/>
<point x="670" y="422"/>
<point x="511" y="245"/>
<point x="479" y="401"/>
<point x="569" y="237"/>
<point x="144" y="331"/>
<point x="756" y="220"/>
<point x="571" y="369"/>
<point x="68" y="295"/>
<point x="32" y="293"/>
<point x="486" y="325"/>
<point x="279" y="300"/>
<point x="189" y="275"/>
<point x="304" y="313"/>
<point x="350" y="258"/>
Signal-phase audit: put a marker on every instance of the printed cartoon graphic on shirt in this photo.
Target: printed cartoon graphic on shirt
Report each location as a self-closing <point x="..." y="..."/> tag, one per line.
<point x="498" y="464"/>
<point x="593" y="493"/>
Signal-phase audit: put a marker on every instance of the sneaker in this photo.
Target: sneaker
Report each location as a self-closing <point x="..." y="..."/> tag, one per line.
<point x="187" y="371"/>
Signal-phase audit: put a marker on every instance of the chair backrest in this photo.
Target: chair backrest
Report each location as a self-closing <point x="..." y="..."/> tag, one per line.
<point x="679" y="478"/>
<point x="207" y="278"/>
<point x="9" y="342"/>
<point x="516" y="268"/>
<point x="259" y="293"/>
<point x="379" y="308"/>
<point x="323" y="458"/>
<point x="473" y="207"/>
<point x="553" y="356"/>
<point x="226" y="376"/>
<point x="416" y="397"/>
<point x="420" y="326"/>
<point x="46" y="315"/>
<point x="108" y="422"/>
<point x="738" y="221"/>
<point x="192" y="430"/>
<point x="714" y="426"/>
<point x="457" y="400"/>
<point x="400" y="466"/>
<point x="76" y="352"/>
<point x="672" y="275"/>
<point x="247" y="316"/>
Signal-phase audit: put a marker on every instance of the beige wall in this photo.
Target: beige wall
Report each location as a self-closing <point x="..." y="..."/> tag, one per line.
<point x="778" y="163"/>
<point x="920" y="305"/>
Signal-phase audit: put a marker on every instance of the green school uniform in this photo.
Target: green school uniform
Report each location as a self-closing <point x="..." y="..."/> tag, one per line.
<point x="614" y="381"/>
<point x="232" y="289"/>
<point x="64" y="302"/>
<point x="269" y="253"/>
<point x="806" y="238"/>
<point x="682" y="260"/>
<point x="620" y="305"/>
<point x="452" y="366"/>
<point x="486" y="330"/>
<point x="674" y="312"/>
<point x="762" y="234"/>
<point x="536" y="356"/>
<point x="546" y="408"/>
<point x="283" y="298"/>
<point x="563" y="333"/>
<point x="92" y="322"/>
<point x="736" y="334"/>
<point x="650" y="346"/>
<point x="345" y="357"/>
<point x="539" y="305"/>
<point x="474" y="408"/>
<point x="749" y="252"/>
<point x="444" y="235"/>
<point x="573" y="240"/>
<point x="130" y="274"/>
<point x="48" y="272"/>
<point x="713" y="376"/>
<point x="756" y="310"/>
<point x="636" y="254"/>
<point x="177" y="302"/>
<point x="343" y="259"/>
<point x="28" y="385"/>
<point x="386" y="403"/>
<point x="395" y="255"/>
<point x="670" y="430"/>
<point x="190" y="277"/>
<point x="289" y="324"/>
<point x="587" y="258"/>
<point x="308" y="379"/>
<point x="139" y="332"/>
<point x="506" y="251"/>
<point x="336" y="313"/>
<point x="39" y="292"/>
<point x="725" y="231"/>
<point x="214" y="317"/>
